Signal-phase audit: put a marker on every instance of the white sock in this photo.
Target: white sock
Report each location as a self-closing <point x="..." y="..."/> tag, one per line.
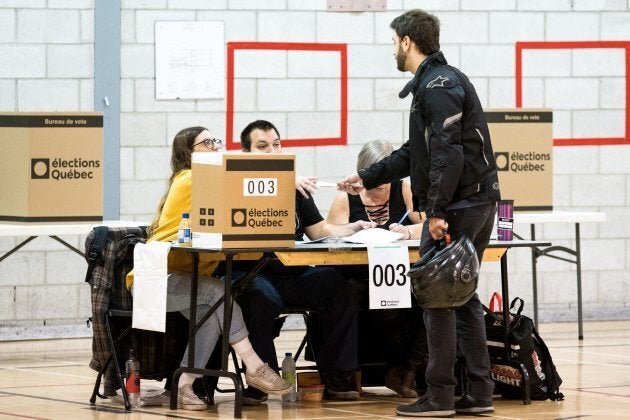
<point x="246" y="352"/>
<point x="185" y="379"/>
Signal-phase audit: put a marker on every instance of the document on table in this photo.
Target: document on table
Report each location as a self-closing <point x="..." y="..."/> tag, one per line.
<point x="366" y="236"/>
<point x="373" y="236"/>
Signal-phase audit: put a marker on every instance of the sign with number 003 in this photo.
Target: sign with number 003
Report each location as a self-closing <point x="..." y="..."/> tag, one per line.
<point x="389" y="285"/>
<point x="261" y="187"/>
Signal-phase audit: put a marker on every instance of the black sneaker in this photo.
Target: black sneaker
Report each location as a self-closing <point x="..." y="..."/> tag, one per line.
<point x="340" y="385"/>
<point x="253" y="397"/>
<point x="424" y="408"/>
<point x="467" y="405"/>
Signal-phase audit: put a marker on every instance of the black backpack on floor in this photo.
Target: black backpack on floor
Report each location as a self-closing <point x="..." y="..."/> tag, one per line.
<point x="527" y="350"/>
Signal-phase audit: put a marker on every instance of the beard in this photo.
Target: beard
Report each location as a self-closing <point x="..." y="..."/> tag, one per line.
<point x="401" y="58"/>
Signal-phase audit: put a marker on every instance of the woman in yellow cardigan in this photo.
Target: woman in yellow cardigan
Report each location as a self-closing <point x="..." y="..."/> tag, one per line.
<point x="176" y="201"/>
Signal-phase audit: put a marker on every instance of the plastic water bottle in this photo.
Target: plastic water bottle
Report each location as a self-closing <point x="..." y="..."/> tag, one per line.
<point x="132" y="370"/>
<point x="183" y="232"/>
<point x="288" y="374"/>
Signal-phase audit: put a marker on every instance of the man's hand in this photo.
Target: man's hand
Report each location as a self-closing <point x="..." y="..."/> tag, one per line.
<point x="351" y="184"/>
<point x="437" y="227"/>
<point x="306" y="185"/>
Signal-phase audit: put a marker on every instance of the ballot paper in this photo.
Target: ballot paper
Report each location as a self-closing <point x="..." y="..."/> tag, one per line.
<point x="334" y="184"/>
<point x="326" y="184"/>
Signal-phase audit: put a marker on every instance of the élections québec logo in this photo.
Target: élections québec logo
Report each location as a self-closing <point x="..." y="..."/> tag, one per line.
<point x="268" y="217"/>
<point x="63" y="169"/>
<point x="522" y="161"/>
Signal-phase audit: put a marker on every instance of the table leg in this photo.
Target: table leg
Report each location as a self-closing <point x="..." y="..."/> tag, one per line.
<point x="534" y="250"/>
<point x="506" y="305"/>
<point x="18" y="246"/>
<point x="227" y="326"/>
<point x="578" y="263"/>
<point x="538" y="252"/>
<point x="192" y="322"/>
<point x="506" y="324"/>
<point x="192" y="330"/>
<point x="67" y="245"/>
<point x="227" y="312"/>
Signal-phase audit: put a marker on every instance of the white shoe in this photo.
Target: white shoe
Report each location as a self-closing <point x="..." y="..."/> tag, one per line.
<point x="188" y="400"/>
<point x="267" y="380"/>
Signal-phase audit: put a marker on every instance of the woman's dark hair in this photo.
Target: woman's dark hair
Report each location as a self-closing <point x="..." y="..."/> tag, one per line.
<point x="183" y="144"/>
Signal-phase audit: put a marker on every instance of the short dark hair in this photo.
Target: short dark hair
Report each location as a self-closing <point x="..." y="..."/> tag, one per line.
<point x="246" y="140"/>
<point x="421" y="27"/>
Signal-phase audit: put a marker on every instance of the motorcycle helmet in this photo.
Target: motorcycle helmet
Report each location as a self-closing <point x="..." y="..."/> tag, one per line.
<point x="446" y="278"/>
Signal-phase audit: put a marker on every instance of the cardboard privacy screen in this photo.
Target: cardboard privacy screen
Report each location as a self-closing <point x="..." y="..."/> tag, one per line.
<point x="51" y="167"/>
<point x="523" y="148"/>
<point x="243" y="200"/>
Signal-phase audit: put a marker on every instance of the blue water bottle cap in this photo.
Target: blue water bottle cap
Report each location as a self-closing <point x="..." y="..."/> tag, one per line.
<point x="185" y="215"/>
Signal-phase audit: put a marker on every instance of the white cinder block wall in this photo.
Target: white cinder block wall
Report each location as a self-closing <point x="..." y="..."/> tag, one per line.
<point x="47" y="65"/>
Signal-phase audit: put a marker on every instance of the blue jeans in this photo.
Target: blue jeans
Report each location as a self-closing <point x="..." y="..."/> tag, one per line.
<point x="209" y="291"/>
<point x="443" y="325"/>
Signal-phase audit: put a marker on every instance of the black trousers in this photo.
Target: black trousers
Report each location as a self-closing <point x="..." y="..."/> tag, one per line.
<point x="320" y="289"/>
<point x="466" y="323"/>
<point x="395" y="336"/>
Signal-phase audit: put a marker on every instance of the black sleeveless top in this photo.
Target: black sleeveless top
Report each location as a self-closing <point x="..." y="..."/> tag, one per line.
<point x="397" y="207"/>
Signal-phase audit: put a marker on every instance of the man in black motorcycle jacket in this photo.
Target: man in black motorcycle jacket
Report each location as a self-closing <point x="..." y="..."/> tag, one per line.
<point x="447" y="130"/>
<point x="453" y="178"/>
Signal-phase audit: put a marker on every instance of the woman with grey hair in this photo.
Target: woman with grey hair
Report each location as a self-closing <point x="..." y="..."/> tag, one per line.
<point x="387" y="205"/>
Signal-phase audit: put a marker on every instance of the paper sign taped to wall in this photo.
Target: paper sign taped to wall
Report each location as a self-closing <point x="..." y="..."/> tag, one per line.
<point x="189" y="60"/>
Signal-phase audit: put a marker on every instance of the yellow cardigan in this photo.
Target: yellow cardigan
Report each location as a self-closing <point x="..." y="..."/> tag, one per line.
<point x="177" y="202"/>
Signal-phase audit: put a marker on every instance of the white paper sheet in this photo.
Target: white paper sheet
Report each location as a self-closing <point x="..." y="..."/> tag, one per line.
<point x="326" y="184"/>
<point x="373" y="236"/>
<point x="149" y="286"/>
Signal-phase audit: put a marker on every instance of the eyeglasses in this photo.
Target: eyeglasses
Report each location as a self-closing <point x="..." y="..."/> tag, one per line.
<point x="211" y="144"/>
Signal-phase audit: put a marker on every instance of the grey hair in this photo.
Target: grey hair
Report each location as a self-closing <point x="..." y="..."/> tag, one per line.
<point x="373" y="151"/>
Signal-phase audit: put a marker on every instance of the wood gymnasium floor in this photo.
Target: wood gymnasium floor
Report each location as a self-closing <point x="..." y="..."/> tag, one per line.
<point x="50" y="379"/>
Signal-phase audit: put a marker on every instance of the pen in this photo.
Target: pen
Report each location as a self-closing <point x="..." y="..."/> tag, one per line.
<point x="404" y="216"/>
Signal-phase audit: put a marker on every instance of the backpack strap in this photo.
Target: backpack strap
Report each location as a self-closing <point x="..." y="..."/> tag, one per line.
<point x="93" y="253"/>
<point x="520" y="306"/>
<point x="554" y="395"/>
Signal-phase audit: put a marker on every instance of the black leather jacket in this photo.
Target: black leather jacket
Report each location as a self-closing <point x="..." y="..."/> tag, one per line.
<point x="448" y="155"/>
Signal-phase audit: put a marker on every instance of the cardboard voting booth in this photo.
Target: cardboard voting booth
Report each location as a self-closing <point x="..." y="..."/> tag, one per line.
<point x="522" y="141"/>
<point x="51" y="167"/>
<point x="243" y="200"/>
